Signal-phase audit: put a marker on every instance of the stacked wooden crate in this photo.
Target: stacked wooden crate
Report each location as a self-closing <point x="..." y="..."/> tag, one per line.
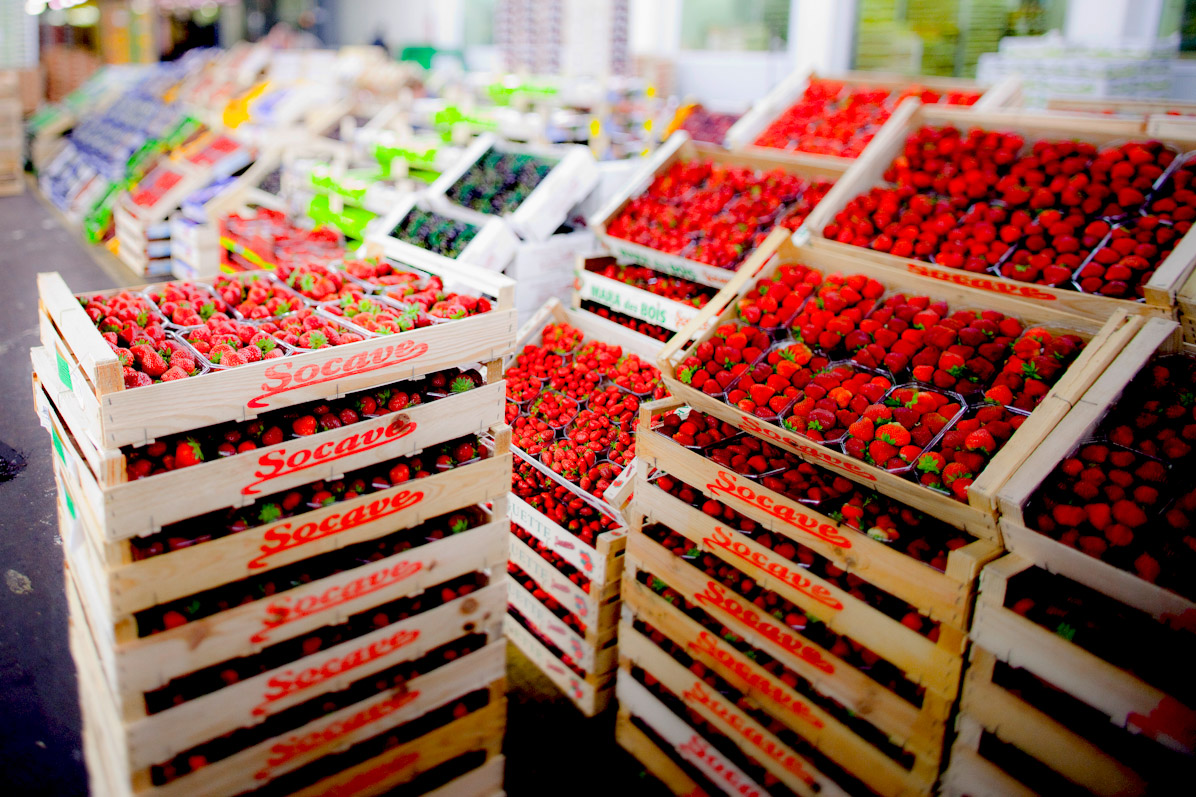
<point x="317" y="606"/>
<point x="567" y="536"/>
<point x="1073" y="683"/>
<point x="12" y="134"/>
<point x="769" y="635"/>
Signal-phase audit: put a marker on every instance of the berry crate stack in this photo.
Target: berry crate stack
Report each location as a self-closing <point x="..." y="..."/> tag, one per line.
<point x="1108" y="231"/>
<point x="574" y="387"/>
<point x="799" y="574"/>
<point x="1074" y="681"/>
<point x="285" y="527"/>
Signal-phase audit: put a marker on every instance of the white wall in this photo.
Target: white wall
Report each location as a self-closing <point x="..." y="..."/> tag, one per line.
<point x="729" y="81"/>
<point x="401" y="22"/>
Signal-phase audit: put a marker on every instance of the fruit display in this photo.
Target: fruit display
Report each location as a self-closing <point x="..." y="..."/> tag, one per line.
<point x="1064" y="214"/>
<point x="879" y="376"/>
<point x="435" y="232"/>
<point x="835" y="118"/>
<point x="573" y="402"/>
<point x="1123" y="495"/>
<point x="268" y="237"/>
<point x="715" y="213"/>
<point x="134" y="330"/>
<point x="257" y="295"/>
<point x="499" y="182"/>
<point x="703" y="124"/>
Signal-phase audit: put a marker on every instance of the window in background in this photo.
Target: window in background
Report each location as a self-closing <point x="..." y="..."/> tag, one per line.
<point x="735" y="25"/>
<point x="944" y="37"/>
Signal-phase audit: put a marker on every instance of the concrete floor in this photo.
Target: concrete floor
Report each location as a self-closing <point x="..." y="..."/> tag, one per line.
<point x="550" y="747"/>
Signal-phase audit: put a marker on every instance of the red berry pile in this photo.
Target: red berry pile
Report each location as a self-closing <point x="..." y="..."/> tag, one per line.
<point x="832" y="118"/>
<point x="308" y="330"/>
<point x="1065" y="214"/>
<point x="256" y="295"/>
<point x="713" y="213"/>
<point x="186" y="304"/>
<point x="703" y="124"/>
<point x="559" y="504"/>
<point x="228" y="343"/>
<point x="957" y="458"/>
<point x="1125" y="497"/>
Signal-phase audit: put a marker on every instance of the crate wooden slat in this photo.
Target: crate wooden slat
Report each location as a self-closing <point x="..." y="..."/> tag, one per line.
<point x="788" y="706"/>
<point x="1016" y="722"/>
<point x="753" y="739"/>
<point x="901" y="720"/>
<point x="596" y="657"/>
<point x="1160" y="291"/>
<point x="1156" y="337"/>
<point x="1125" y="698"/>
<point x="591" y="694"/>
<point x="598" y="608"/>
<point x="944" y="597"/>
<point x="972" y="775"/>
<point x="627" y="299"/>
<point x="1118" y="106"/>
<point x="978" y="517"/>
<point x="654" y="760"/>
<point x="680" y="148"/>
<point x="743" y="134"/>
<point x="602" y="562"/>
<point x="133" y="508"/>
<point x="116" y="416"/>
<point x="1187" y="308"/>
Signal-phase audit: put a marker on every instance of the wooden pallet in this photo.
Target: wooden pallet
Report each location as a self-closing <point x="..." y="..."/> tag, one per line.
<point x="743" y="134"/>
<point x="116" y="416"/>
<point x="626" y="299"/>
<point x="756" y="741"/>
<point x="789" y="706"/>
<point x="574" y="174"/>
<point x="591" y="694"/>
<point x="1129" y="701"/>
<point x="902" y="721"/>
<point x="1157" y="337"/>
<point x="868" y="171"/>
<point x="942" y="596"/>
<point x="127" y="508"/>
<point x="979" y="516"/>
<point x="126" y="770"/>
<point x="681" y="149"/>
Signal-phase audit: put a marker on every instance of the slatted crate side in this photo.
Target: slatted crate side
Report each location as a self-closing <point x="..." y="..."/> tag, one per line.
<point x="1104" y="341"/>
<point x="902" y="720"/>
<point x="602" y="562"/>
<point x="1187" y="308"/>
<point x="680" y="148"/>
<point x="1015" y="721"/>
<point x="1171" y="127"/>
<point x="145" y="740"/>
<point x="598" y="608"/>
<point x="134" y="665"/>
<point x="971" y="775"/>
<point x="869" y="169"/>
<point x="480" y="731"/>
<point x="756" y="741"/>
<point x="596" y="658"/>
<point x="144" y="506"/>
<point x="1126" y="699"/>
<point x="942" y="596"/>
<point x="1156" y="337"/>
<point x="790" y="707"/>
<point x="128" y="585"/>
<point x="593" y="327"/>
<point x="256" y="765"/>
<point x="484" y="781"/>
<point x="684" y="742"/>
<point x="1119" y="106"/>
<point x="135" y="416"/>
<point x="627" y="299"/>
<point x="939" y="662"/>
<point x="590" y="694"/>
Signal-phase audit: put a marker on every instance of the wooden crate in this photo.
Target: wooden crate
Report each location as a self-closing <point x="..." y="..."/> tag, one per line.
<point x="681" y="149"/>
<point x="904" y="722"/>
<point x="117" y="586"/>
<point x="743" y="134"/>
<point x="591" y="694"/>
<point x="594" y="651"/>
<point x="117" y="416"/>
<point x="789" y="706"/>
<point x="683" y="742"/>
<point x="978" y="517"/>
<point x="127" y="771"/>
<point x="756" y="741"/>
<point x="942" y="596"/>
<point x="1119" y="106"/>
<point x="1064" y="749"/>
<point x="972" y="775"/>
<point x="491" y="248"/>
<point x="1156" y="337"/>
<point x="1129" y="701"/>
<point x="598" y="608"/>
<point x="868" y="171"/>
<point x="574" y="174"/>
<point x="138" y="742"/>
<point x="602" y="562"/>
<point x="627" y="299"/>
<point x="1187" y="308"/>
<point x="127" y="508"/>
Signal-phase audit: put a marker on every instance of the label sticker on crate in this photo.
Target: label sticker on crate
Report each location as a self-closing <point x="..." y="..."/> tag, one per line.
<point x="561" y="542"/>
<point x="64" y="371"/>
<point x="634" y="302"/>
